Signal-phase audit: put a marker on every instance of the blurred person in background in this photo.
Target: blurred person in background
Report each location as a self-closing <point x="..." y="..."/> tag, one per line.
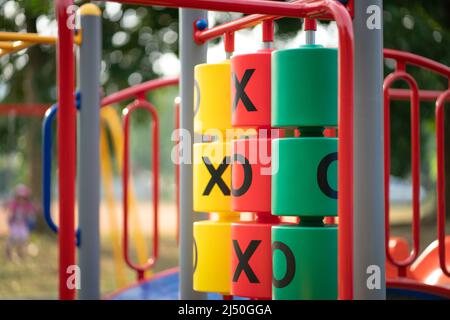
<point x="21" y="221"/>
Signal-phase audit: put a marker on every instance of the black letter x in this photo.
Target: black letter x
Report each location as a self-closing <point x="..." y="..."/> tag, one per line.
<point x="244" y="259"/>
<point x="240" y="91"/>
<point x="216" y="176"/>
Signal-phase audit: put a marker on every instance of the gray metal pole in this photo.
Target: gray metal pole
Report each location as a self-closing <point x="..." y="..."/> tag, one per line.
<point x="190" y="55"/>
<point x="369" y="254"/>
<point x="88" y="152"/>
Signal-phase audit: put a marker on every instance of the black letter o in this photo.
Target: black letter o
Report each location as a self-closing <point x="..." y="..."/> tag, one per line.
<point x="322" y="171"/>
<point x="290" y="265"/>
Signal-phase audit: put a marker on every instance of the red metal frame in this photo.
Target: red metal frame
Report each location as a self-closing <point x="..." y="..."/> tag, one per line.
<point x="415" y="166"/>
<point x="140" y="104"/>
<point x="32" y="110"/>
<point x="318" y="9"/>
<point x="66" y="149"/>
<point x="440" y="143"/>
<point x="177" y="170"/>
<point x="424" y="95"/>
<point x="138" y="90"/>
<point x="403" y="59"/>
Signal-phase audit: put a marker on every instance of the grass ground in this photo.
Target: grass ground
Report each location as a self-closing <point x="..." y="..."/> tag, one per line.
<point x="36" y="275"/>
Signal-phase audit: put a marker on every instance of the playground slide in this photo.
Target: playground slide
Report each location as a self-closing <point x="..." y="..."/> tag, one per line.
<point x="111" y="122"/>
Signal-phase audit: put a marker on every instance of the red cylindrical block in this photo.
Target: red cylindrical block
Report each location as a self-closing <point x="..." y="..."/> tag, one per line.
<point x="251" y="175"/>
<point x="250" y="89"/>
<point x="251" y="258"/>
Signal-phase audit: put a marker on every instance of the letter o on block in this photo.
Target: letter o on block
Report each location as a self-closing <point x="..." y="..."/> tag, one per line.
<point x="251" y="175"/>
<point x="304" y="262"/>
<point x="305" y="183"/>
<point x="212" y="97"/>
<point x="250" y="89"/>
<point x="212" y="177"/>
<point x="251" y="260"/>
<point x="212" y="256"/>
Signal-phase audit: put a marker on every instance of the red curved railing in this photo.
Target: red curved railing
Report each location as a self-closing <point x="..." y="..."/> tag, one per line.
<point x="440" y="143"/>
<point x="177" y="169"/>
<point x="403" y="59"/>
<point x="138" y="91"/>
<point x="415" y="166"/>
<point x="140" y="104"/>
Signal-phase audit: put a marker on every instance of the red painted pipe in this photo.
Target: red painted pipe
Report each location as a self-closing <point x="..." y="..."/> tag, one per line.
<point x="345" y="148"/>
<point x="177" y="170"/>
<point x="424" y="95"/>
<point x="138" y="90"/>
<point x="440" y="143"/>
<point x="407" y="58"/>
<point x="32" y="110"/>
<point x="267" y="30"/>
<point x="66" y="150"/>
<point x="140" y="104"/>
<point x="415" y="166"/>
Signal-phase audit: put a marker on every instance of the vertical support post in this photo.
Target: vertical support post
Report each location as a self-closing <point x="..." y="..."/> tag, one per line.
<point x="66" y="151"/>
<point x="88" y="155"/>
<point x="369" y="255"/>
<point x="190" y="55"/>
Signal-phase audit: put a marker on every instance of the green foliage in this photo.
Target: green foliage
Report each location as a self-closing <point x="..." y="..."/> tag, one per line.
<point x="423" y="28"/>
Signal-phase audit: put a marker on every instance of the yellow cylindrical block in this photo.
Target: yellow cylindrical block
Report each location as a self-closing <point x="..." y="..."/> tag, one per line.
<point x="212" y="97"/>
<point x="212" y="177"/>
<point x="212" y="254"/>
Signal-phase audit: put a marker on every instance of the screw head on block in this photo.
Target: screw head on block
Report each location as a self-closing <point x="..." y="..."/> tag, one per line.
<point x="251" y="175"/>
<point x="304" y="87"/>
<point x="304" y="262"/>
<point x="250" y="89"/>
<point x="305" y="182"/>
<point x="201" y="24"/>
<point x="212" y="256"/>
<point x="251" y="260"/>
<point x="212" y="97"/>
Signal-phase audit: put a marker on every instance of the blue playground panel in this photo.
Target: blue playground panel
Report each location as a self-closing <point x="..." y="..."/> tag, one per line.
<point x="158" y="288"/>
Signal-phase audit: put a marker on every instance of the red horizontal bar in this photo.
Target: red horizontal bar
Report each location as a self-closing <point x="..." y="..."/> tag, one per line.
<point x="232" y="26"/>
<point x="34" y="110"/>
<point x="416" y="60"/>
<point x="424" y="95"/>
<point x="138" y="90"/>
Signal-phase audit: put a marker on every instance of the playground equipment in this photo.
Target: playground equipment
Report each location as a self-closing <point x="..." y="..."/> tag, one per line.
<point x="228" y="253"/>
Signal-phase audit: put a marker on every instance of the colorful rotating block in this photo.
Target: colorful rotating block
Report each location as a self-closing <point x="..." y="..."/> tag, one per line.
<point x="251" y="175"/>
<point x="212" y="97"/>
<point x="212" y="254"/>
<point x="250" y="89"/>
<point x="212" y="177"/>
<point x="251" y="259"/>
<point x="305" y="182"/>
<point x="304" y="262"/>
<point x="304" y="87"/>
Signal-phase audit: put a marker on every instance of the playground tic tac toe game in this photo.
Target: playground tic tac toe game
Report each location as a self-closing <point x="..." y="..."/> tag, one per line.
<point x="224" y="158"/>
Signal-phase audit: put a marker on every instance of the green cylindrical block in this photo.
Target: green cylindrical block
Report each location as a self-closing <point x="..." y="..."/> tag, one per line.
<point x="304" y="262"/>
<point x="304" y="176"/>
<point x="304" y="87"/>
